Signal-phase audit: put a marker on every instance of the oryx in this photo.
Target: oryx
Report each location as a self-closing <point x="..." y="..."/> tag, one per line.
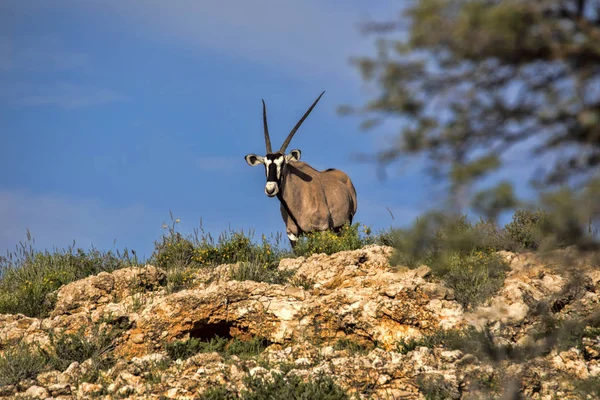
<point x="310" y="200"/>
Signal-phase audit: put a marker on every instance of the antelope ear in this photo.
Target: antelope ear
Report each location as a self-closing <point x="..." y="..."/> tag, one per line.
<point x="253" y="160"/>
<point x="293" y="156"/>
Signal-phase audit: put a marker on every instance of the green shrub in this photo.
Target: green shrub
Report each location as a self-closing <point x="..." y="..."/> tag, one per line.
<point x="328" y="242"/>
<point x="588" y="388"/>
<point x="77" y="346"/>
<point x="302" y="281"/>
<point x="175" y="251"/>
<point x="182" y="349"/>
<point x="435" y="387"/>
<point x="28" y="277"/>
<point x="280" y="388"/>
<point x="436" y="338"/>
<point x="461" y="254"/>
<point x="293" y="387"/>
<point x="179" y="279"/>
<point x="19" y="362"/>
<point x="525" y="229"/>
<point x="219" y="393"/>
<point x="232" y="247"/>
<point x="252" y="271"/>
<point x="351" y="346"/>
<point x="474" y="277"/>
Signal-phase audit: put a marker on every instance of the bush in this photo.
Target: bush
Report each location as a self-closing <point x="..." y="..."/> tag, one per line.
<point x="525" y="229"/>
<point x="280" y="388"/>
<point x="293" y="387"/>
<point x="182" y="349"/>
<point x="176" y="252"/>
<point x="179" y="279"/>
<point x="435" y="387"/>
<point x="28" y="277"/>
<point x="77" y="346"/>
<point x="252" y="271"/>
<point x="351" y="346"/>
<point x="474" y="277"/>
<point x="20" y="362"/>
<point x="328" y="242"/>
<point x="461" y="254"/>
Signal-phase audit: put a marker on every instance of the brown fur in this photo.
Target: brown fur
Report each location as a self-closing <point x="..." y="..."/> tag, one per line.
<point x="318" y="200"/>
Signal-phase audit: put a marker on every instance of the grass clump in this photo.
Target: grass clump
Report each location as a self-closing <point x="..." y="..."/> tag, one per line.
<point x="28" y="277"/>
<point x="328" y="242"/>
<point x="174" y="251"/>
<point x="351" y="346"/>
<point x="280" y="388"/>
<point x="458" y="252"/>
<point x="79" y="346"/>
<point x="435" y="387"/>
<point x="183" y="349"/>
<point x="525" y="229"/>
<point x="20" y="362"/>
<point x="293" y="387"/>
<point x="252" y="271"/>
<point x="439" y="337"/>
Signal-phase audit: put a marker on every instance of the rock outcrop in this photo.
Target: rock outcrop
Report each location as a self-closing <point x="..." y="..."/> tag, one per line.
<point x="349" y="297"/>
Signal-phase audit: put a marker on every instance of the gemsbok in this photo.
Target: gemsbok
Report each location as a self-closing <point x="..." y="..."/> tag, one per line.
<point x="310" y="200"/>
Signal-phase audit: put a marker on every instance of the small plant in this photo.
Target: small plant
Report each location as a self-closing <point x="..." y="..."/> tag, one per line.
<point x="154" y="375"/>
<point x="251" y="271"/>
<point x="175" y="251"/>
<point x="302" y="281"/>
<point x="182" y="349"/>
<point x="434" y="339"/>
<point x="219" y="393"/>
<point x="328" y="242"/>
<point x="525" y="229"/>
<point x="246" y="349"/>
<point x="179" y="279"/>
<point x="474" y="277"/>
<point x="351" y="346"/>
<point x="435" y="387"/>
<point x="461" y="254"/>
<point x="588" y="388"/>
<point x="293" y="387"/>
<point x="98" y="346"/>
<point x="29" y="277"/>
<point x="19" y="362"/>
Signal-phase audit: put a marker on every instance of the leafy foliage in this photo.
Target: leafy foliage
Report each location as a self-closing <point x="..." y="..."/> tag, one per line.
<point x="281" y="388"/>
<point x="182" y="349"/>
<point x="461" y="254"/>
<point x="328" y="242"/>
<point x="468" y="101"/>
<point x="293" y="387"/>
<point x="28" y="277"/>
<point x="435" y="387"/>
<point x="19" y="362"/>
<point x="248" y="271"/>
<point x="351" y="346"/>
<point x="97" y="345"/>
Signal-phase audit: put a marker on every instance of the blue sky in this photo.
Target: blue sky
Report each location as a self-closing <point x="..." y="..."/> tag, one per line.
<point x="113" y="113"/>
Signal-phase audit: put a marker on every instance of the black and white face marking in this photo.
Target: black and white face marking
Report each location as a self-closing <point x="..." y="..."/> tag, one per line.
<point x="274" y="165"/>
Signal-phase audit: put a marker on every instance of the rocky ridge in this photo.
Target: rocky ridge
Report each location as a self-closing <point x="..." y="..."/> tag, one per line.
<point x="349" y="297"/>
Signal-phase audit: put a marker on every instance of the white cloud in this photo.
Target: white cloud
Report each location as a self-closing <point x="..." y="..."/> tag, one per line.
<point x="35" y="53"/>
<point x="56" y="220"/>
<point x="218" y="164"/>
<point x="310" y="38"/>
<point x="62" y="94"/>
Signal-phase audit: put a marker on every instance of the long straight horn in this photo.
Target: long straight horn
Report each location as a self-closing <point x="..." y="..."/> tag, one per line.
<point x="289" y="138"/>
<point x="266" y="126"/>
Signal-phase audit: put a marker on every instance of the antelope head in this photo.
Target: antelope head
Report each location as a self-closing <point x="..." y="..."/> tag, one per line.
<point x="276" y="162"/>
